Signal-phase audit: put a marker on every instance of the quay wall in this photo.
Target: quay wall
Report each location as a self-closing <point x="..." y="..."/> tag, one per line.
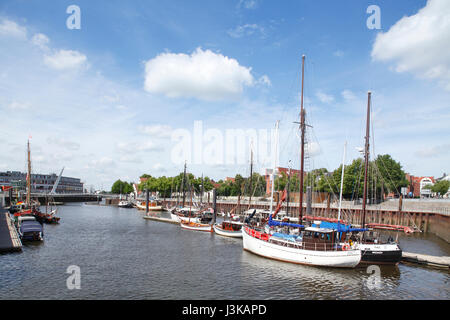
<point x="433" y="222"/>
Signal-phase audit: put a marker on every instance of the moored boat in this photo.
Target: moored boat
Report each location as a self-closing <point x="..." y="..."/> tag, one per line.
<point x="231" y="229"/>
<point x="153" y="205"/>
<point x="29" y="229"/>
<point x="194" y="226"/>
<point x="316" y="247"/>
<point x="125" y="204"/>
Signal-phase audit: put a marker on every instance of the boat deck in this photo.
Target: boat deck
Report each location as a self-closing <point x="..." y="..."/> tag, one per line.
<point x="9" y="238"/>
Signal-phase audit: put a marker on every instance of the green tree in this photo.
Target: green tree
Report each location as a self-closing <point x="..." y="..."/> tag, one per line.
<point x="122" y="187"/>
<point x="391" y="174"/>
<point x="441" y="187"/>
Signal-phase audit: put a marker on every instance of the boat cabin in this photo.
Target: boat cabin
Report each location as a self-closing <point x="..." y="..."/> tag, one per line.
<point x="232" y="225"/>
<point x="319" y="238"/>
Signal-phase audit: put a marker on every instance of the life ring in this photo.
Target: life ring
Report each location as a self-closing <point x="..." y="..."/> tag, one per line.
<point x="345" y="247"/>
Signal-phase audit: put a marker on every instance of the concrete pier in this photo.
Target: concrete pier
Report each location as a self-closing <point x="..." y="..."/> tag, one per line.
<point x="9" y="238"/>
<point x="424" y="259"/>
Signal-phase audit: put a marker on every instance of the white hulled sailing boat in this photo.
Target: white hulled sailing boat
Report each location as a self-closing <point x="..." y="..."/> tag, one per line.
<point x="310" y="246"/>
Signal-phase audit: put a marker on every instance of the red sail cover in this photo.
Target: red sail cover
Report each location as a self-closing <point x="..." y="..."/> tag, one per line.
<point x="280" y="203"/>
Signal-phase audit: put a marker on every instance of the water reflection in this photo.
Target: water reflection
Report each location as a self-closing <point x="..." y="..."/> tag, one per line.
<point x="122" y="256"/>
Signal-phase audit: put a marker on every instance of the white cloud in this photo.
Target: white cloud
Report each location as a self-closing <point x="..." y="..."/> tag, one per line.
<point x="11" y="29"/>
<point x="435" y="151"/>
<point x="159" y="167"/>
<point x="323" y="97"/>
<point x="312" y="148"/>
<point x="65" y="59"/>
<point x="348" y="95"/>
<point x="246" y="30"/>
<point x="134" y="147"/>
<point x="63" y="143"/>
<point x="15" y="105"/>
<point x="131" y="159"/>
<point x="157" y="130"/>
<point x="419" y="44"/>
<point x="40" y="40"/>
<point x="265" y="80"/>
<point x="203" y="75"/>
<point x="247" y="4"/>
<point x="338" y="53"/>
<point x="101" y="163"/>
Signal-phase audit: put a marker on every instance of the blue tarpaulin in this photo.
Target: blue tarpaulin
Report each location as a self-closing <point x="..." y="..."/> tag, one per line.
<point x="338" y="227"/>
<point x="283" y="224"/>
<point x="30" y="226"/>
<point x="285" y="236"/>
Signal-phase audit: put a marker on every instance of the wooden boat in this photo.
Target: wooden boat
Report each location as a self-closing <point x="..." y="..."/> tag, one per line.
<point x="152" y="205"/>
<point x="316" y="247"/>
<point x="185" y="214"/>
<point x="231" y="229"/>
<point x="194" y="226"/>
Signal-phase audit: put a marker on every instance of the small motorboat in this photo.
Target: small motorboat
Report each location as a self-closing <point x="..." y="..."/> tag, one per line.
<point x="231" y="229"/>
<point x="196" y="226"/>
<point x="125" y="204"/>
<point x="30" y="229"/>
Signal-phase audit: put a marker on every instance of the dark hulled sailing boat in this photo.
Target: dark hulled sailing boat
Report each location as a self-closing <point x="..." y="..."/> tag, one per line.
<point x="373" y="249"/>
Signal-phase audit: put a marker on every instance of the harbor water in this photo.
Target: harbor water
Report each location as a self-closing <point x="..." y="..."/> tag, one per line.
<point x="120" y="255"/>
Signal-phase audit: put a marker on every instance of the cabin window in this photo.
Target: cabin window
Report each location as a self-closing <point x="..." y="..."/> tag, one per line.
<point x="322" y="236"/>
<point x="316" y="235"/>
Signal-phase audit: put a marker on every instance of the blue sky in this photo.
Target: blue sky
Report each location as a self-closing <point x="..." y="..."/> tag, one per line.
<point x="103" y="102"/>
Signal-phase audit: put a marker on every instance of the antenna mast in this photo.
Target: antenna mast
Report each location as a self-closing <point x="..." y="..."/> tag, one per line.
<point x="366" y="160"/>
<point x="302" y="128"/>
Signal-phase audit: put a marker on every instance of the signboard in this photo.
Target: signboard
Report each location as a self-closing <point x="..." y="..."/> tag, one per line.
<point x="404" y="191"/>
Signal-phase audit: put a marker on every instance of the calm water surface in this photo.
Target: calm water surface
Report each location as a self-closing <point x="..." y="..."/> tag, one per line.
<point x="123" y="256"/>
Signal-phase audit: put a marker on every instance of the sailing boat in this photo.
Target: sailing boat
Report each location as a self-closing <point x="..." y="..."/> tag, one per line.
<point x="197" y="225"/>
<point x="303" y="245"/>
<point x="32" y="206"/>
<point x="374" y="250"/>
<point x="187" y="214"/>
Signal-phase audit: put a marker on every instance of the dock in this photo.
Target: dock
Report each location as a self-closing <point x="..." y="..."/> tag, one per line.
<point x="9" y="238"/>
<point x="167" y="220"/>
<point x="424" y="259"/>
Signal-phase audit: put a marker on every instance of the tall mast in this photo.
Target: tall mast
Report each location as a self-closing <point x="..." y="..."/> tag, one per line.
<point x="274" y="165"/>
<point x="342" y="182"/>
<point x="28" y="200"/>
<point x="201" y="195"/>
<point x="288" y="189"/>
<point x="302" y="128"/>
<point x="183" y="183"/>
<point x="366" y="160"/>
<point x="251" y="175"/>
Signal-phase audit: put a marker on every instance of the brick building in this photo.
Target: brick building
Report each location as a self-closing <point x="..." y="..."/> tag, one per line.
<point x="279" y="171"/>
<point x="417" y="184"/>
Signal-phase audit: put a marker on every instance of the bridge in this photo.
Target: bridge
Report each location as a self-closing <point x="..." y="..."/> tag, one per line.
<point x="64" y="197"/>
